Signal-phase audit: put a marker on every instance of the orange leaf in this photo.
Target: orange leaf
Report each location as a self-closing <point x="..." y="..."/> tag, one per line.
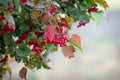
<point x="76" y="38"/>
<point x="23" y="73"/>
<point x="68" y="51"/>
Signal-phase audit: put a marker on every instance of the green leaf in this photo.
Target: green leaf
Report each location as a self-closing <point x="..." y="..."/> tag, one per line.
<point x="89" y="3"/>
<point x="82" y="6"/>
<point x="8" y="40"/>
<point x="24" y="27"/>
<point x="17" y="6"/>
<point x="47" y="52"/>
<point x="38" y="65"/>
<point x="45" y="66"/>
<point x="98" y="16"/>
<point x="75" y="44"/>
<point x="83" y="17"/>
<point x="4" y="2"/>
<point x="23" y="50"/>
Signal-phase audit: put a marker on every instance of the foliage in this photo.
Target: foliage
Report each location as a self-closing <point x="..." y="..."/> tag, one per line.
<point x="31" y="29"/>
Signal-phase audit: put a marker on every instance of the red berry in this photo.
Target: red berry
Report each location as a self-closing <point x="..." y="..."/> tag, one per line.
<point x="38" y="34"/>
<point x="82" y="24"/>
<point x="94" y="9"/>
<point x="34" y="43"/>
<point x="53" y="9"/>
<point x="6" y="28"/>
<point x="2" y="17"/>
<point x="10" y="8"/>
<point x="61" y="41"/>
<point x="37" y="50"/>
<point x="24" y="1"/>
<point x="43" y="42"/>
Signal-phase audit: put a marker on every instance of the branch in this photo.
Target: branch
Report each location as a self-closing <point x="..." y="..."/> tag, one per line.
<point x="36" y="23"/>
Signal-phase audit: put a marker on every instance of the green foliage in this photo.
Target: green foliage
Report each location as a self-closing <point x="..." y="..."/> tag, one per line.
<point x="4" y="3"/>
<point x="98" y="16"/>
<point x="23" y="50"/>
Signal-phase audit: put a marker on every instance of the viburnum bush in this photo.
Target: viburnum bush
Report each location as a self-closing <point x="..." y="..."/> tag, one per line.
<point x="32" y="29"/>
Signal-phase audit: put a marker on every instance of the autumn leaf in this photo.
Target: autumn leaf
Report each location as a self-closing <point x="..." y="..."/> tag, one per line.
<point x="68" y="51"/>
<point x="76" y="38"/>
<point x="69" y="19"/>
<point x="49" y="33"/>
<point x="23" y="73"/>
<point x="10" y="58"/>
<point x="35" y="2"/>
<point x="36" y="14"/>
<point x="103" y="3"/>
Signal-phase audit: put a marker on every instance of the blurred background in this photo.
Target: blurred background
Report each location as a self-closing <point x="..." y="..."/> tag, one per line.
<point x="100" y="59"/>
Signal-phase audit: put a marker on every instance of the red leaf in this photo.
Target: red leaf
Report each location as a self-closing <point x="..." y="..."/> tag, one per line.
<point x="23" y="73"/>
<point x="68" y="51"/>
<point x="49" y="34"/>
<point x="76" y="38"/>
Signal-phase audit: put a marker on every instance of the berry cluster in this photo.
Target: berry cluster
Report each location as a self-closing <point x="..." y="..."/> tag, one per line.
<point x="22" y="37"/>
<point x="82" y="24"/>
<point x="24" y="1"/>
<point x="63" y="29"/>
<point x="53" y="9"/>
<point x="38" y="34"/>
<point x="10" y="8"/>
<point x="61" y="41"/>
<point x="93" y="9"/>
<point x="6" y="28"/>
<point x="35" y="47"/>
<point x="2" y="17"/>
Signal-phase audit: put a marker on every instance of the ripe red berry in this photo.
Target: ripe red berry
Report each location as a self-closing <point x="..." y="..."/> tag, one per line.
<point x="82" y="24"/>
<point x="61" y="41"/>
<point x="22" y="37"/>
<point x="24" y="1"/>
<point x="37" y="50"/>
<point x="94" y="9"/>
<point x="53" y="9"/>
<point x="38" y="34"/>
<point x="6" y="28"/>
<point x="2" y="17"/>
<point x="10" y="8"/>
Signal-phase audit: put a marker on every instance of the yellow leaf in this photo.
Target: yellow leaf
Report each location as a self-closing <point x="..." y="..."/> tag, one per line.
<point x="103" y="3"/>
<point x="35" y="2"/>
<point x="36" y="14"/>
<point x="11" y="59"/>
